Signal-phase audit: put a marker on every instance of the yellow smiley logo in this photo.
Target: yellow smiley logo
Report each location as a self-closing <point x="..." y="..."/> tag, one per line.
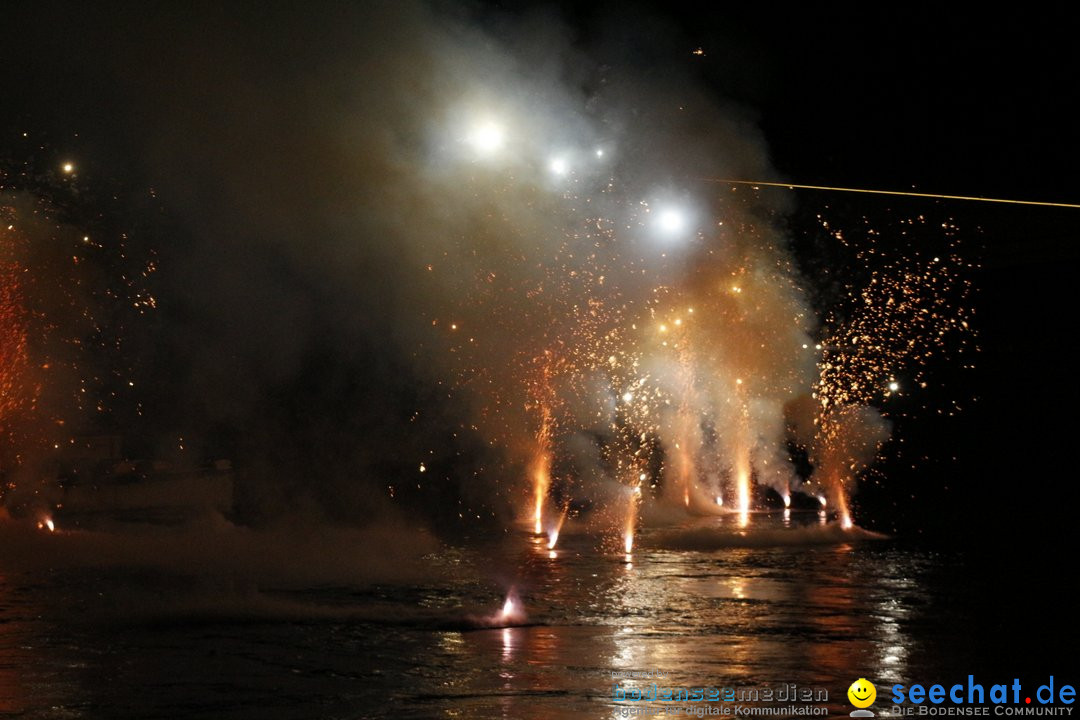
<point x="862" y="693"/>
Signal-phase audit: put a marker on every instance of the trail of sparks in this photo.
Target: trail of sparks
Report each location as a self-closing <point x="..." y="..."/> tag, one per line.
<point x="898" y="193"/>
<point x="68" y="290"/>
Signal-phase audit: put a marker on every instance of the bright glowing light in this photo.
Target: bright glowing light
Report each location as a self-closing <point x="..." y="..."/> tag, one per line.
<point x="47" y="524"/>
<point x="720" y="500"/>
<point x="894" y="386"/>
<point x="599" y="152"/>
<point x="846" y="522"/>
<point x="508" y="607"/>
<point x="552" y="539"/>
<point x="628" y="542"/>
<point x="742" y="487"/>
<point x="787" y="501"/>
<point x="821" y="499"/>
<point x="559" y="166"/>
<point x="670" y="221"/>
<point x="68" y="168"/>
<point x="486" y="138"/>
<point x="627" y="397"/>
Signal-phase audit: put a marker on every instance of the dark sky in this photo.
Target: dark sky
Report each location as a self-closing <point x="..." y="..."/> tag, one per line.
<point x="949" y="101"/>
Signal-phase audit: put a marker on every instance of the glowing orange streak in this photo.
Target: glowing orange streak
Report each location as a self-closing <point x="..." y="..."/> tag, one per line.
<point x="541" y="481"/>
<point x="792" y="186"/>
<point x="631" y="517"/>
<point x="685" y="421"/>
<point x="541" y="470"/>
<point x="742" y="458"/>
<point x="842" y="503"/>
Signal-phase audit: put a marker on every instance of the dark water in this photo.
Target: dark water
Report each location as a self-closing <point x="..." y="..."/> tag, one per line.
<point x="815" y="609"/>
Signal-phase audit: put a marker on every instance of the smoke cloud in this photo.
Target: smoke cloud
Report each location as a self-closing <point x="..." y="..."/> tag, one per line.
<point x="398" y="241"/>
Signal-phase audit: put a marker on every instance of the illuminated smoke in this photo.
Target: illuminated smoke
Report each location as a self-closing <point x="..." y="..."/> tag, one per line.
<point x="520" y="227"/>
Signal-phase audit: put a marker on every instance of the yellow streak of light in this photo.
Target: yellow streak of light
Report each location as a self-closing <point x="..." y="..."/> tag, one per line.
<point x="793" y="186"/>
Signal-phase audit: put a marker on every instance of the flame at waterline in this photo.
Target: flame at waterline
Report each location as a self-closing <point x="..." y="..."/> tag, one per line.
<point x="632" y="506"/>
<point x="541" y="471"/>
<point x="742" y="457"/>
<point x="553" y="535"/>
<point x="541" y="482"/>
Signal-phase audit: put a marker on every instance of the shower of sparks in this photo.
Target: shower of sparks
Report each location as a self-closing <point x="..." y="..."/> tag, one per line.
<point x="67" y="288"/>
<point x="912" y="306"/>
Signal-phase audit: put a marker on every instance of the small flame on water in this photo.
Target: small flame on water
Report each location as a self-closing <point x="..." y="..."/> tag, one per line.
<point x="628" y="541"/>
<point x="47" y="524"/>
<point x="553" y="534"/>
<point x="821" y="499"/>
<point x="787" y="501"/>
<point x="512" y="613"/>
<point x="846" y="522"/>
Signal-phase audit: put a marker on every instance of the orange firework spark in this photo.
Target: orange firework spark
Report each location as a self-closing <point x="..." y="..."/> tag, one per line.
<point x="913" y="307"/>
<point x="13" y="351"/>
<point x="61" y="359"/>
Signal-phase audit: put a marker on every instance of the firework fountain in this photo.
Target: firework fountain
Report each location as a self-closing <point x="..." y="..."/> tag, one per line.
<point x="625" y="336"/>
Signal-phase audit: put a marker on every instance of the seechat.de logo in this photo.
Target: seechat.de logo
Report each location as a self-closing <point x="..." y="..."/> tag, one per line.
<point x="862" y="694"/>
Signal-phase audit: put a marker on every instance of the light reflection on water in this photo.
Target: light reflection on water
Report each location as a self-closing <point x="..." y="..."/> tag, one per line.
<point x="817" y="616"/>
